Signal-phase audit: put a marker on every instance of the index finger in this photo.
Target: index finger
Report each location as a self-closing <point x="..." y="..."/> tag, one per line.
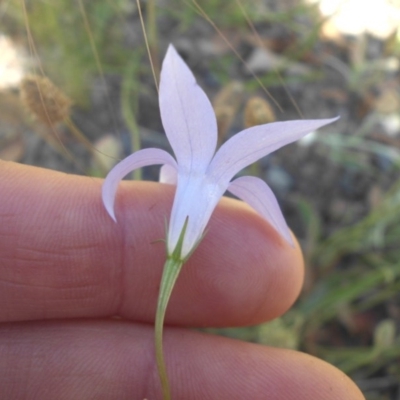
<point x="61" y="256"/>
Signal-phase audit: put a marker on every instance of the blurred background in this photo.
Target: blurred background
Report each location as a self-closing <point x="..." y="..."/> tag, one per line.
<point x="77" y="93"/>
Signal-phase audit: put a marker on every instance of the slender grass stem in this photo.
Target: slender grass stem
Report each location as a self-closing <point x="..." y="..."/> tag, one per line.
<point x="147" y="44"/>
<point x="151" y="24"/>
<point x="131" y="85"/>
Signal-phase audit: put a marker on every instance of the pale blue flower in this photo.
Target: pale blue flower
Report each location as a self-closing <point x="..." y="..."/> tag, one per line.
<point x="201" y="175"/>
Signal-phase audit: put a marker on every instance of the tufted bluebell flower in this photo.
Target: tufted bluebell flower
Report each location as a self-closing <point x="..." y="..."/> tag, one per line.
<point x="200" y="174"/>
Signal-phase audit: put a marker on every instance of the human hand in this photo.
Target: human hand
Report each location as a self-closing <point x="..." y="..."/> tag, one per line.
<point x="67" y="270"/>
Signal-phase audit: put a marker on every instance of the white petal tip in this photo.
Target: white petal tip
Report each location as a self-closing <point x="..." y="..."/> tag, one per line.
<point x="171" y="52"/>
<point x="112" y="215"/>
<point x="286" y="235"/>
<point x="291" y="242"/>
<point x="110" y="211"/>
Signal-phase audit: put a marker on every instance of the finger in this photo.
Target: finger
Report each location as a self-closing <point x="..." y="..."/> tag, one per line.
<point x="61" y="255"/>
<point x="115" y="360"/>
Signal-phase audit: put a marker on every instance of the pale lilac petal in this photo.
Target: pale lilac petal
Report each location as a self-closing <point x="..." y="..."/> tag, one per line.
<point x="257" y="194"/>
<point x="254" y="143"/>
<point x="187" y="114"/>
<point x="136" y="160"/>
<point x="168" y="174"/>
<point x="195" y="199"/>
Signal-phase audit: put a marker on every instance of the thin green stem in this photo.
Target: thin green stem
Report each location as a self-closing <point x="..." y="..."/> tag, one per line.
<point x="147" y="44"/>
<point x="151" y="24"/>
<point x="171" y="271"/>
<point x="131" y="85"/>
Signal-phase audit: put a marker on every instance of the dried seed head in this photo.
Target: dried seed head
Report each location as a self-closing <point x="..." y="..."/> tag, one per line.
<point x="230" y="95"/>
<point x="44" y="100"/>
<point x="258" y="112"/>
<point x="226" y="104"/>
<point x="225" y="116"/>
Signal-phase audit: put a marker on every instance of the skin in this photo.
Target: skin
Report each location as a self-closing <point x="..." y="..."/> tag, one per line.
<point x="78" y="295"/>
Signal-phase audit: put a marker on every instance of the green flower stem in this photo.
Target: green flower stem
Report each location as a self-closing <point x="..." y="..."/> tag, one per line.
<point x="171" y="271"/>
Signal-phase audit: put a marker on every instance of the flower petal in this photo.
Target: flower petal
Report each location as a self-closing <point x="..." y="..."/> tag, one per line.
<point x="254" y="143"/>
<point x="195" y="199"/>
<point x="136" y="160"/>
<point x="187" y="114"/>
<point x="168" y="174"/>
<point x="257" y="194"/>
